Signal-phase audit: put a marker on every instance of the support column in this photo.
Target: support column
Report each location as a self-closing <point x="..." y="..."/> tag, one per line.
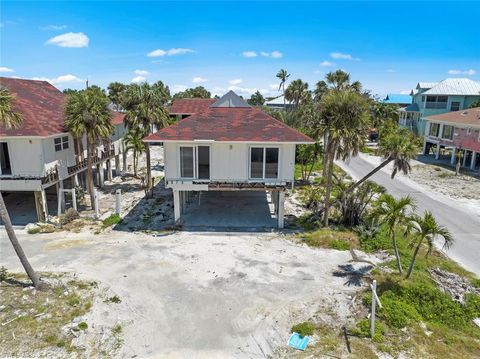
<point x="60" y="198"/>
<point x="124" y="159"/>
<point x="100" y="174"/>
<point x="473" y="161"/>
<point x="149" y="168"/>
<point x="76" y="182"/>
<point x="437" y="151"/>
<point x="40" y="206"/>
<point x="452" y="159"/>
<point x="176" y="205"/>
<point x="281" y="209"/>
<point x="109" y="170"/>
<point x="464" y="158"/>
<point x="424" y="150"/>
<point x="117" y="165"/>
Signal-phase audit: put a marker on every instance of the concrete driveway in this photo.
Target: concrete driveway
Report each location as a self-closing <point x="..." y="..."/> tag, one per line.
<point x="210" y="295"/>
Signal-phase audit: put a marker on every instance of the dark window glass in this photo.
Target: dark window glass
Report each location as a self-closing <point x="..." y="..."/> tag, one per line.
<point x="186" y="162"/>
<point x="203" y="162"/>
<point x="271" y="163"/>
<point x="256" y="162"/>
<point x="455" y="106"/>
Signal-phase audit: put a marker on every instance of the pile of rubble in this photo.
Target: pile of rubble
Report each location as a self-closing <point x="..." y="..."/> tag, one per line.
<point x="453" y="284"/>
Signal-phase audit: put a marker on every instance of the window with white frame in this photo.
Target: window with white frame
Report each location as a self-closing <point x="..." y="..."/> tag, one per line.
<point x="434" y="129"/>
<point x="195" y="162"/>
<point x="264" y="162"/>
<point x="447" y="132"/>
<point x="61" y="143"/>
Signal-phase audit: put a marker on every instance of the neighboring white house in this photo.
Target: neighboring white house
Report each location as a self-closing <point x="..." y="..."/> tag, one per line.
<point x="229" y="146"/>
<point x="41" y="154"/>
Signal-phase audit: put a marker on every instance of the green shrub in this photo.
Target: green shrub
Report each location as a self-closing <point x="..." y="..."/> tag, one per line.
<point x="112" y="220"/>
<point x="472" y="305"/>
<point x="303" y="329"/>
<point x="69" y="215"/>
<point x="3" y="274"/>
<point x="397" y="313"/>
<point x="374" y="239"/>
<point x="363" y="330"/>
<point x="114" y="299"/>
<point x="82" y="326"/>
<point x="339" y="245"/>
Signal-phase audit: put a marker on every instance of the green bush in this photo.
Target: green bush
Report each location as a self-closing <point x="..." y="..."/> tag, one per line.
<point x="3" y="274"/>
<point x="339" y="245"/>
<point x="397" y="313"/>
<point x="82" y="326"/>
<point x="303" y="329"/>
<point x="374" y="239"/>
<point x="363" y="330"/>
<point x="112" y="220"/>
<point x="69" y="215"/>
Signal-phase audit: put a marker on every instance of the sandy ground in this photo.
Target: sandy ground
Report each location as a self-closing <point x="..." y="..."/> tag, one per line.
<point x="199" y="295"/>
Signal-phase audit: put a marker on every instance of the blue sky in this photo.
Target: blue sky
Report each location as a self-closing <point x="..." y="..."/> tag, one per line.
<point x="388" y="46"/>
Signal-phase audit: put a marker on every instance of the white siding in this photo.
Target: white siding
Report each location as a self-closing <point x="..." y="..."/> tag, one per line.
<point x="229" y="161"/>
<point x="26" y="156"/>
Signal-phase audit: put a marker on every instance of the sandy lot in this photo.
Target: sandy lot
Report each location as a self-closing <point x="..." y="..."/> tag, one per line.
<point x="198" y="295"/>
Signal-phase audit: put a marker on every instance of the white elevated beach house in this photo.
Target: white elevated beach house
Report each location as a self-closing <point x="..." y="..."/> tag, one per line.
<point x="229" y="146"/>
<point x="41" y="157"/>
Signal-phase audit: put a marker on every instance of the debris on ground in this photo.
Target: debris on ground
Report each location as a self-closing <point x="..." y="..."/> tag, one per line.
<point x="453" y="284"/>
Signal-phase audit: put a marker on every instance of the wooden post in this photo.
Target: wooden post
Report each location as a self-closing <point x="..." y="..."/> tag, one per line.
<point x="176" y="205"/>
<point x="118" y="201"/>
<point x="372" y="314"/>
<point x="109" y="170"/>
<point x="41" y="215"/>
<point x="281" y="208"/>
<point x="149" y="168"/>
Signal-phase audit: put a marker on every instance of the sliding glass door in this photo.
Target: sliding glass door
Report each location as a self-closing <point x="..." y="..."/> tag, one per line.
<point x="195" y="162"/>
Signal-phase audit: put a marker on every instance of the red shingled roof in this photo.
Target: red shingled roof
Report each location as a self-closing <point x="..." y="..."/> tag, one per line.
<point x="189" y="106"/>
<point x="41" y="105"/>
<point x="230" y="124"/>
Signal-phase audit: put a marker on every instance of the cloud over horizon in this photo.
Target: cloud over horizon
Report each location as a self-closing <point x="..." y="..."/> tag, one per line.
<point x="171" y="52"/>
<point x="70" y="39"/>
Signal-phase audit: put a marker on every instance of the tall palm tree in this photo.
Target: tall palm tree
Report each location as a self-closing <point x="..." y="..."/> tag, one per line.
<point x="338" y="80"/>
<point x="427" y="228"/>
<point x="345" y="119"/>
<point x="400" y="147"/>
<point x="394" y="214"/>
<point x="87" y="114"/>
<point x="12" y="119"/>
<point x="296" y="91"/>
<point x="321" y="88"/>
<point x="282" y="75"/>
<point x="146" y="107"/>
<point x="133" y="141"/>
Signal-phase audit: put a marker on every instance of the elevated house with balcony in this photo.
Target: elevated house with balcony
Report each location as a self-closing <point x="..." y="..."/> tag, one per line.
<point x="229" y="146"/>
<point x="41" y="157"/>
<point x="455" y="131"/>
<point x="435" y="98"/>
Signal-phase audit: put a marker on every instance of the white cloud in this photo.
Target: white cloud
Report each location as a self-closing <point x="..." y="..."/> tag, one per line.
<point x="199" y="80"/>
<point x="171" y="52"/>
<point x="327" y="63"/>
<point x="341" y="56"/>
<point x="273" y="54"/>
<point x="249" y="54"/>
<point x="141" y="72"/>
<point x="6" y="69"/>
<point x="273" y="86"/>
<point x="60" y="79"/>
<point x="178" y="88"/>
<point x="138" y="79"/>
<point x="391" y="71"/>
<point x="470" y="72"/>
<point x="53" y="27"/>
<point x="70" y="39"/>
<point x="247" y="91"/>
<point x="235" y="82"/>
<point x="405" y="92"/>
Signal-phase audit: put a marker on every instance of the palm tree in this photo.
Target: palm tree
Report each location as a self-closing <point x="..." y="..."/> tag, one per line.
<point x="428" y="229"/>
<point x="321" y="88"/>
<point x="394" y="214"/>
<point x="87" y="114"/>
<point x="133" y="141"/>
<point x="338" y="80"/>
<point x="12" y="119"/>
<point x="344" y="115"/>
<point x="296" y="91"/>
<point x="282" y="75"/>
<point x="400" y="147"/>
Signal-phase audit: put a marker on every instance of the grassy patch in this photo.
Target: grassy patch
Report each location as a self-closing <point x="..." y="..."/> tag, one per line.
<point x="114" y="299"/>
<point x="112" y="220"/>
<point x="303" y="329"/>
<point x="33" y="230"/>
<point x="37" y="318"/>
<point x="330" y="238"/>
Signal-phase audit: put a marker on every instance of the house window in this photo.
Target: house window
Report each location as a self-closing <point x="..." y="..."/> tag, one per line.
<point x="186" y="162"/>
<point x="436" y="102"/>
<point x="61" y="143"/>
<point x="447" y="132"/>
<point x="469" y="131"/>
<point x="455" y="106"/>
<point x="434" y="128"/>
<point x="195" y="162"/>
<point x="263" y="162"/>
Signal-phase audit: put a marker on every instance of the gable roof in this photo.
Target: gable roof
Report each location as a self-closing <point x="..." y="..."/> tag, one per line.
<point x="397" y="98"/>
<point x="426" y="85"/>
<point x="41" y="106"/>
<point x="227" y="124"/>
<point x="189" y="106"/>
<point x="455" y="86"/>
<point x="469" y="117"/>
<point x="230" y="99"/>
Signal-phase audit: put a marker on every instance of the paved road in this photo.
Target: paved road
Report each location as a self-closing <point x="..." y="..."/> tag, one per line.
<point x="464" y="226"/>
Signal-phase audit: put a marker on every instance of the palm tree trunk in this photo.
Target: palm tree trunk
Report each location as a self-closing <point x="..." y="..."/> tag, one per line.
<point x="328" y="186"/>
<point x="325" y="157"/>
<point x="283" y="87"/>
<point x="90" y="185"/>
<point x="412" y="263"/>
<point x="16" y="245"/>
<point x="149" y="168"/>
<point x="135" y="160"/>
<point x="369" y="174"/>
<point x="397" y="254"/>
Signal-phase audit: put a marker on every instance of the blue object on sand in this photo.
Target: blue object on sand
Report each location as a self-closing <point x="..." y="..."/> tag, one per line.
<point x="298" y="342"/>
